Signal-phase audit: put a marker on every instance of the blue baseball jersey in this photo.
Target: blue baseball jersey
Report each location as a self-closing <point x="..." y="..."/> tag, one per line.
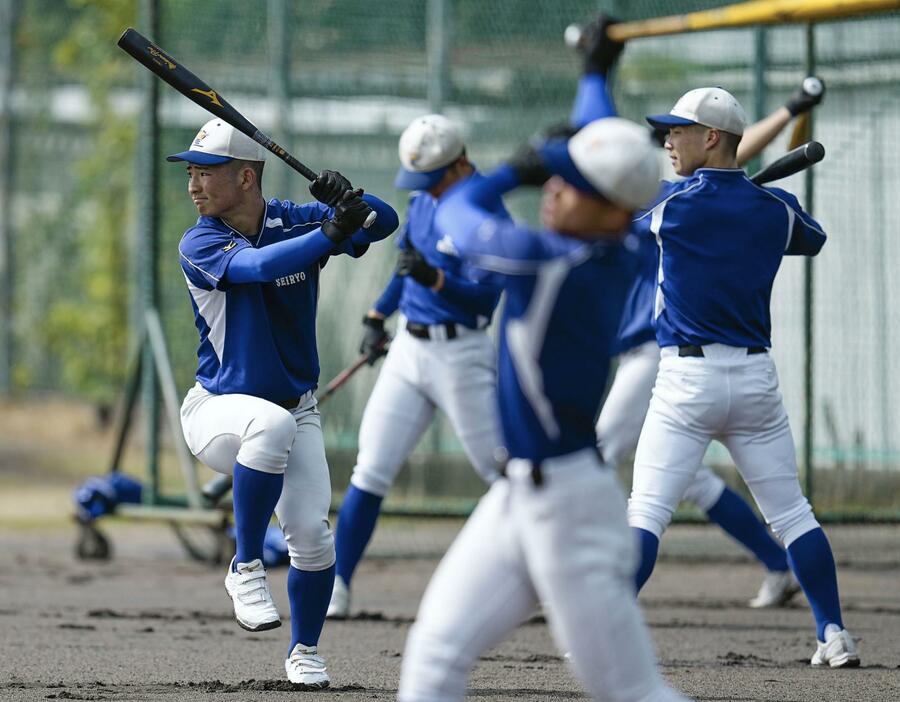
<point x="466" y="298"/>
<point x="720" y="239"/>
<point x="637" y="327"/>
<point x="564" y="300"/>
<point x="255" y="338"/>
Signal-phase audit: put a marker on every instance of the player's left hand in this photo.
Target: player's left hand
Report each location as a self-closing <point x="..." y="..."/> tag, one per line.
<point x="329" y="187"/>
<point x="600" y="52"/>
<point x="808" y="95"/>
<point x="349" y="215"/>
<point x="412" y="263"/>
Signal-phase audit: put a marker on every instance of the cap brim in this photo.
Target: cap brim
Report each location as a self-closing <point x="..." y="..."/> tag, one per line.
<point x="557" y="159"/>
<point x="667" y="120"/>
<point x="199" y="158"/>
<point x="411" y="180"/>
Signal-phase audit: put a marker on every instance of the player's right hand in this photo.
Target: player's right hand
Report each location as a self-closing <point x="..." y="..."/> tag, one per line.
<point x="329" y="187"/>
<point x="349" y="215"/>
<point x="600" y="52"/>
<point x="808" y="95"/>
<point x="375" y="339"/>
<point x="529" y="166"/>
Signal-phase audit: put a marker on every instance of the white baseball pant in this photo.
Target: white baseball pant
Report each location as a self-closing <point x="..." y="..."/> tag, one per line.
<point x="733" y="398"/>
<point x="623" y="413"/>
<point x="223" y="429"/>
<point x="458" y="376"/>
<point x="564" y="544"/>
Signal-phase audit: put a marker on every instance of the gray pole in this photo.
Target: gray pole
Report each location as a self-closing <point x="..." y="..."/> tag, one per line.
<point x="280" y="86"/>
<point x="808" y="297"/>
<point x="437" y="41"/>
<point x="8" y="16"/>
<point x="147" y="241"/>
<point x="760" y="60"/>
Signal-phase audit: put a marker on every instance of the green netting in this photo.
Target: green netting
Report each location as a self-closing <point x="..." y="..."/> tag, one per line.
<point x="354" y="75"/>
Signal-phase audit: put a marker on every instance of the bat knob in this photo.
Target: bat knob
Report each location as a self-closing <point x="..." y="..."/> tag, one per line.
<point x="370" y="220"/>
<point x="812" y="86"/>
<point x="815" y="152"/>
<point x="572" y="36"/>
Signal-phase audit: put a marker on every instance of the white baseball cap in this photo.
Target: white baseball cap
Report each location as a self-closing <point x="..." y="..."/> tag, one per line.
<point x="219" y="142"/>
<point x="427" y="147"/>
<point x="615" y="158"/>
<point x="711" y="107"/>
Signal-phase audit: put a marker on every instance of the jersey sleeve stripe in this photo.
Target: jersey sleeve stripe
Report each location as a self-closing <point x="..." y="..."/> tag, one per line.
<point x="195" y="266"/>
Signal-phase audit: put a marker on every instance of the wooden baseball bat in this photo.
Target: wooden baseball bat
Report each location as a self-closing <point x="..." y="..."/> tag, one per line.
<point x="750" y="13"/>
<point x="185" y="82"/>
<point x="792" y="162"/>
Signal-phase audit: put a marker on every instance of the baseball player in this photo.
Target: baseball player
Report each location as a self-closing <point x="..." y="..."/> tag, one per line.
<point x="625" y="407"/>
<point x="554" y="529"/>
<point x="252" y="270"/>
<point x="721" y="239"/>
<point x="441" y="358"/>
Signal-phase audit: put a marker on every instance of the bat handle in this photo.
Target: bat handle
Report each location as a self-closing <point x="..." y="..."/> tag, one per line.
<point x="370" y="220"/>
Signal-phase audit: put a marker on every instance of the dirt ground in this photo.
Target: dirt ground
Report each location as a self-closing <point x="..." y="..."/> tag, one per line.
<point x="152" y="625"/>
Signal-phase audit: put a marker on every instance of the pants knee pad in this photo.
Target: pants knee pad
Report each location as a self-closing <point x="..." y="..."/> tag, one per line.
<point x="793" y="523"/>
<point x="372" y="480"/>
<point x="310" y="545"/>
<point x="267" y="440"/>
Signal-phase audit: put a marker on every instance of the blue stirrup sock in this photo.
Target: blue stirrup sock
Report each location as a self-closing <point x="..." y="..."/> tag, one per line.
<point x="255" y="495"/>
<point x="735" y="516"/>
<point x="309" y="592"/>
<point x="649" y="546"/>
<point x="356" y="522"/>
<point x="813" y="564"/>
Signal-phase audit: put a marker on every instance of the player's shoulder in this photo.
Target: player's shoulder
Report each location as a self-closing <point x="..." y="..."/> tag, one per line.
<point x="780" y="194"/>
<point x="206" y="231"/>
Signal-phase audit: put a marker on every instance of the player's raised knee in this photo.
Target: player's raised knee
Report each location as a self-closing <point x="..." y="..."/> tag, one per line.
<point x="267" y="439"/>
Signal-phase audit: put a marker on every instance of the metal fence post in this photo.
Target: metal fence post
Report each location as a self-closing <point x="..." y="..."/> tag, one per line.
<point x="147" y="242"/>
<point x="760" y="60"/>
<point x="809" y="389"/>
<point x="8" y="16"/>
<point x="437" y="42"/>
<point x="279" y="86"/>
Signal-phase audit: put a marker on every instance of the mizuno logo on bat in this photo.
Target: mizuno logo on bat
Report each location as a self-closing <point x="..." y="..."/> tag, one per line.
<point x="211" y="94"/>
<point x="159" y="55"/>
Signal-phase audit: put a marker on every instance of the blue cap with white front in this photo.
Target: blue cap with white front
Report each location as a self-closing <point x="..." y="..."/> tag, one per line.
<point x="218" y="142"/>
<point x="428" y="147"/>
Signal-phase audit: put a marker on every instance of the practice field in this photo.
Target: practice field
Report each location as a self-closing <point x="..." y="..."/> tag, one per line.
<point x="150" y="625"/>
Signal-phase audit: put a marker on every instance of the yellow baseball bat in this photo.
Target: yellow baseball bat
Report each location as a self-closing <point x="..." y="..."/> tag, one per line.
<point x="750" y="13"/>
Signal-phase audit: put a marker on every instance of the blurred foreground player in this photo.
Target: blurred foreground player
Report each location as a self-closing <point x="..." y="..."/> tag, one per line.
<point x="553" y="530"/>
<point x="252" y="270"/>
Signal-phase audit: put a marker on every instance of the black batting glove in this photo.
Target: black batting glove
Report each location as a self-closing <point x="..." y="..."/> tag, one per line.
<point x="808" y="95"/>
<point x="529" y="166"/>
<point x="329" y="187"/>
<point x="410" y="262"/>
<point x="349" y="215"/>
<point x="375" y="339"/>
<point x="600" y="52"/>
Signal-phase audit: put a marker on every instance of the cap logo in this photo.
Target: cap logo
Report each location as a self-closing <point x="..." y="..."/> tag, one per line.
<point x="201" y="135"/>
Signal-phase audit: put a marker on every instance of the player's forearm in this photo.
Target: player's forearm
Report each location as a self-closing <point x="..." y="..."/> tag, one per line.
<point x="250" y="265"/>
<point x="592" y="101"/>
<point x="385" y="223"/>
<point x="469" y="293"/>
<point x="389" y="301"/>
<point x="760" y="134"/>
<point x="466" y="209"/>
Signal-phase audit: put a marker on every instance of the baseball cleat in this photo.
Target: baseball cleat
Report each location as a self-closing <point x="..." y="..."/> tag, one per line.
<point x="305" y="667"/>
<point x="248" y="588"/>
<point x="838" y="651"/>
<point x="776" y="590"/>
<point x="339" y="607"/>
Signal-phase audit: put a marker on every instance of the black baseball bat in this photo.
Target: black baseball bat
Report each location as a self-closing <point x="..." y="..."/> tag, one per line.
<point x="145" y="52"/>
<point x="792" y="162"/>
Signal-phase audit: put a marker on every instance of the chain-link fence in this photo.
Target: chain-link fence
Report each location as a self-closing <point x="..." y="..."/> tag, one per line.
<point x="336" y="82"/>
